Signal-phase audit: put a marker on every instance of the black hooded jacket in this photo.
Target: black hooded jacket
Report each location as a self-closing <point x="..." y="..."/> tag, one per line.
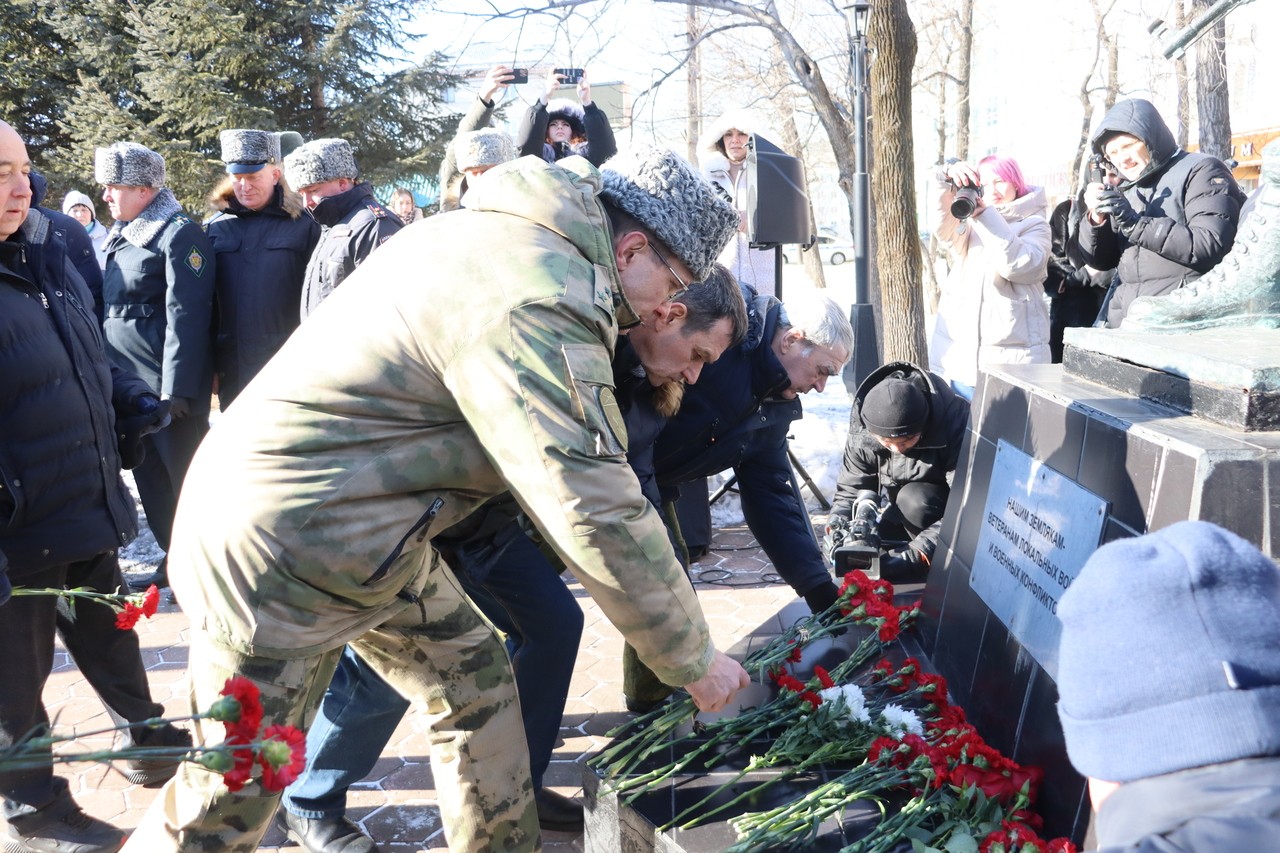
<point x="869" y="465"/>
<point x="1188" y="206"/>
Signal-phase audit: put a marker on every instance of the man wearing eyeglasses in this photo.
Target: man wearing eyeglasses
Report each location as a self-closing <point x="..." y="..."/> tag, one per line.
<point x="1171" y="219"/>
<point x="468" y="367"/>
<point x="737" y="418"/>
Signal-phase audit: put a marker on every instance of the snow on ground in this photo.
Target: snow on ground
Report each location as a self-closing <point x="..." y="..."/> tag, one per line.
<point x="817" y="439"/>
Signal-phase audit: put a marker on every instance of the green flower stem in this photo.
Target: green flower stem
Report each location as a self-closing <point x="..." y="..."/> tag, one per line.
<point x="890" y="831"/>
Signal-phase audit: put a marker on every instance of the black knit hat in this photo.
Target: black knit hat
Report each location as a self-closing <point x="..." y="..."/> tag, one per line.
<point x="894" y="409"/>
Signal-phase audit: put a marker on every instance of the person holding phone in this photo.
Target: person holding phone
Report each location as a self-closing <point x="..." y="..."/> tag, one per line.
<point x="557" y="129"/>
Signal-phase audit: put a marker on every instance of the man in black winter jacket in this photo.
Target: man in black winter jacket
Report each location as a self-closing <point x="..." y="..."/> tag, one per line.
<point x="905" y="434"/>
<point x="63" y="512"/>
<point x="263" y="240"/>
<point x="1171" y="219"/>
<point x="352" y="222"/>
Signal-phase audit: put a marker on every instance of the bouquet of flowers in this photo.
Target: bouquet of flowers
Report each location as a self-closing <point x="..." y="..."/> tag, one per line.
<point x="906" y="748"/>
<point x="280" y="751"/>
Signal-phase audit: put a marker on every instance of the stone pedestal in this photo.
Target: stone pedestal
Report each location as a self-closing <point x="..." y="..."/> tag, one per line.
<point x="1229" y="376"/>
<point x="1153" y="465"/>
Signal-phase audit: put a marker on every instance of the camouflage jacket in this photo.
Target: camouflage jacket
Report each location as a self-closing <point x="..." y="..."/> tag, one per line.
<point x="468" y="358"/>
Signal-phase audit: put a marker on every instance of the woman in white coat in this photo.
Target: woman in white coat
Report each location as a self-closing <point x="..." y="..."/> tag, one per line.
<point x="992" y="309"/>
<point x="722" y="156"/>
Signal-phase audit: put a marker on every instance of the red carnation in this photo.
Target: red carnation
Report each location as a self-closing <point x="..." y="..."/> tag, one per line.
<point x="150" y="601"/>
<point x="238" y="776"/>
<point x="824" y="677"/>
<point x="245" y="692"/>
<point x="283" y="756"/>
<point x="127" y="618"/>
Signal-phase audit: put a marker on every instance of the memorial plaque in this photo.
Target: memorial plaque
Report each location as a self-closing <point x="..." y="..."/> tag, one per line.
<point x="1038" y="528"/>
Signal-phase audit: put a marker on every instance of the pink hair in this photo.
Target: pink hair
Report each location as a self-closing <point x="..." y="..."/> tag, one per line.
<point x="1007" y="169"/>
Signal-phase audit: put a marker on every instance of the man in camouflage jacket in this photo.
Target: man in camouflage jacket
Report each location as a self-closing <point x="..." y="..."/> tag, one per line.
<point x="468" y="369"/>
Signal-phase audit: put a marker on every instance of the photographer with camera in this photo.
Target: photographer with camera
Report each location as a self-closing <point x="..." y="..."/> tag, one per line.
<point x="1170" y="220"/>
<point x="992" y="309"/>
<point x="557" y="129"/>
<point x="905" y="434"/>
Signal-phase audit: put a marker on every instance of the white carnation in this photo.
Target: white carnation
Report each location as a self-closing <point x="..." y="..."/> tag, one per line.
<point x="853" y="699"/>
<point x="897" y="718"/>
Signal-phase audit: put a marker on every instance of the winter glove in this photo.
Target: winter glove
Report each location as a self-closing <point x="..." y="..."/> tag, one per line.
<point x="1114" y="204"/>
<point x="905" y="565"/>
<point x="821" y="597"/>
<point x="148" y="414"/>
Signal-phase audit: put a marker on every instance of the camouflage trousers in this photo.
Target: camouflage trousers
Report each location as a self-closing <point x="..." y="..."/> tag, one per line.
<point x="441" y="655"/>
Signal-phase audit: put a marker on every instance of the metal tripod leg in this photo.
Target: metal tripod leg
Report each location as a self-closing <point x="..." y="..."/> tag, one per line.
<point x="798" y="469"/>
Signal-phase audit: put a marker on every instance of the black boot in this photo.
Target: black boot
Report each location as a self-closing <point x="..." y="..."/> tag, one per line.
<point x="325" y="834"/>
<point x="558" y="813"/>
<point x="160" y="578"/>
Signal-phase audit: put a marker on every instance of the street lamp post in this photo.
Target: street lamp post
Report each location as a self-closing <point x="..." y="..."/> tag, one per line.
<point x="865" y="356"/>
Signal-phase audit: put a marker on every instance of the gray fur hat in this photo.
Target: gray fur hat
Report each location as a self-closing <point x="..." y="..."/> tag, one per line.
<point x="128" y="164"/>
<point x="290" y="141"/>
<point x="485" y="147"/>
<point x="659" y="189"/>
<point x="246" y="151"/>
<point x="318" y="161"/>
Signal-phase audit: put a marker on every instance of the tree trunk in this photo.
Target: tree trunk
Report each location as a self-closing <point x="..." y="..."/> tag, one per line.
<point x="896" y="233"/>
<point x="963" y="76"/>
<point x="1181" y="83"/>
<point x="1213" y="104"/>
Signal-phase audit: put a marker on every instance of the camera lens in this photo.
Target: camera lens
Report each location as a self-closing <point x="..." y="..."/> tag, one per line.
<point x="964" y="203"/>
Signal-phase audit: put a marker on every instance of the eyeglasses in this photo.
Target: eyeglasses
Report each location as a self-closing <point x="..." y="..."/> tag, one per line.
<point x="684" y="285"/>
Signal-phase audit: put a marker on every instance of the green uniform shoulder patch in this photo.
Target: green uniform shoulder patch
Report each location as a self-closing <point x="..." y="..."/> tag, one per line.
<point x="195" y="261"/>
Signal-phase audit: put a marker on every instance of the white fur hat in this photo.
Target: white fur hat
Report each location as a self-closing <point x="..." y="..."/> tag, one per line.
<point x="128" y="164"/>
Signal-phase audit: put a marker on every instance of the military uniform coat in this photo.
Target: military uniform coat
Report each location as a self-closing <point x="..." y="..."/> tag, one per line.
<point x="158" y="300"/>
<point x="467" y="369"/>
<point x="262" y="257"/>
<point x="352" y="225"/>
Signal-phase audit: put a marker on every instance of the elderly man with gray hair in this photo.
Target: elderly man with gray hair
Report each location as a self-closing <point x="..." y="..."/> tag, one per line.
<point x="469" y="368"/>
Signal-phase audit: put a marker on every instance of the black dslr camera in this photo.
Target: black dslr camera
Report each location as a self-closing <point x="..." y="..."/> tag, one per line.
<point x="965" y="201"/>
<point x="855" y="543"/>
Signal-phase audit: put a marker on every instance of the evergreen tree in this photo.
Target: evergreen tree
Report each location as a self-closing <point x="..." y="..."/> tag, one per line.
<point x="171" y="74"/>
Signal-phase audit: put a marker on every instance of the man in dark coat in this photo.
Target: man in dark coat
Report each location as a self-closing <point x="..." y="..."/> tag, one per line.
<point x="63" y="512"/>
<point x="352" y="222"/>
<point x="1074" y="298"/>
<point x="905" y="432"/>
<point x="1171" y="219"/>
<point x="262" y="240"/>
<point x="737" y="417"/>
<point x="158" y="301"/>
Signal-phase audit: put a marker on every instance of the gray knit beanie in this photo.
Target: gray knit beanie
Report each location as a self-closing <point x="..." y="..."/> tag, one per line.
<point x="485" y="147"/>
<point x="1168" y="657"/>
<point x="660" y="190"/>
<point x="318" y="161"/>
<point x="128" y="164"/>
<point x="247" y="151"/>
